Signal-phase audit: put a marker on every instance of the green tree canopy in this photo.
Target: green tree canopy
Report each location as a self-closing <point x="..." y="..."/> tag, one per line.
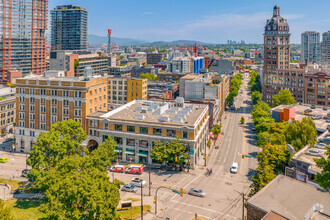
<point x="171" y="152"/>
<point x="149" y="76"/>
<point x="235" y="85"/>
<point x="323" y="178"/>
<point x="5" y="213"/>
<point x="283" y="97"/>
<point x="242" y="120"/>
<point x="256" y="97"/>
<point x="299" y="134"/>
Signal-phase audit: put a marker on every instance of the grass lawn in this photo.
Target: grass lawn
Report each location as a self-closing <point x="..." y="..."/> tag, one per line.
<point x="25" y="209"/>
<point x="133" y="199"/>
<point x="14" y="184"/>
<point x="133" y="213"/>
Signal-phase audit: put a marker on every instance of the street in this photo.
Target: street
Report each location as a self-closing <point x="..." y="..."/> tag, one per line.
<point x="222" y="188"/>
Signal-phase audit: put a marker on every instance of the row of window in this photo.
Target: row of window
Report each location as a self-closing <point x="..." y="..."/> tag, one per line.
<point x="54" y="92"/>
<point x="9" y="106"/>
<point x="9" y="120"/>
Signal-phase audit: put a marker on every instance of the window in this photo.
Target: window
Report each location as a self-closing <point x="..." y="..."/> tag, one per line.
<point x="32" y="125"/>
<point x="106" y="126"/>
<point x="143" y="143"/>
<point x="21" y="115"/>
<point x="42" y="108"/>
<point x="42" y="117"/>
<point x="119" y="140"/>
<point x="32" y="91"/>
<point x="21" y="123"/>
<point x="22" y="90"/>
<point x="66" y="102"/>
<point x="66" y="93"/>
<point x="22" y="107"/>
<point x="93" y="123"/>
<point x="77" y="103"/>
<point x="32" y="133"/>
<point x="32" y="116"/>
<point x="77" y="94"/>
<point x="92" y="132"/>
<point x="90" y="92"/>
<point x="54" y="110"/>
<point x="65" y="111"/>
<point x="22" y="99"/>
<point x="54" y="93"/>
<point x="130" y="128"/>
<point x="118" y="127"/>
<point x="171" y="133"/>
<point x="32" y="108"/>
<point x="43" y="126"/>
<point x="54" y="101"/>
<point x="143" y="130"/>
<point x="77" y="112"/>
<point x="130" y="142"/>
<point x="32" y="100"/>
<point x="157" y="131"/>
<point x="43" y="101"/>
<point x="185" y="134"/>
<point x="65" y="118"/>
<point x="54" y="119"/>
<point x="42" y="91"/>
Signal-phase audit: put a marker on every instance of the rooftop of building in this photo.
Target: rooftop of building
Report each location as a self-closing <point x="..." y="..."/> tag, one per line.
<point x="69" y="7"/>
<point x="157" y="112"/>
<point x="7" y="91"/>
<point x="189" y="76"/>
<point x="290" y="198"/>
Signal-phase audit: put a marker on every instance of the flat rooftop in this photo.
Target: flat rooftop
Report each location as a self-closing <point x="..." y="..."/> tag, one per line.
<point x="310" y="159"/>
<point x="289" y="197"/>
<point x="156" y="112"/>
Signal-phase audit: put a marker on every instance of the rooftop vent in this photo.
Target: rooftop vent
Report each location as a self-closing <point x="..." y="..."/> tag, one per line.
<point x="139" y="116"/>
<point x="138" y="108"/>
<point x="180" y="120"/>
<point x="164" y="118"/>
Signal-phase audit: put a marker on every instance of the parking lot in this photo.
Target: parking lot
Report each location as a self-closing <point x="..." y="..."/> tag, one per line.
<point x="321" y="124"/>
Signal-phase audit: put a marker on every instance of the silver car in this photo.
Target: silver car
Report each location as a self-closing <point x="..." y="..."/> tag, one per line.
<point x="314" y="153"/>
<point x="196" y="192"/>
<point x="320" y="145"/>
<point x="139" y="183"/>
<point x="129" y="188"/>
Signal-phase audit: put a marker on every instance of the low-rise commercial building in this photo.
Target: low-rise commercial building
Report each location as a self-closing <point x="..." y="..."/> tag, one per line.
<point x="162" y="90"/>
<point x="7" y="110"/>
<point x="317" y="88"/>
<point x="170" y="77"/>
<point x="223" y="66"/>
<point x="138" y="125"/>
<point x="124" y="89"/>
<point x="44" y="100"/>
<point x="180" y="65"/>
<point x="154" y="58"/>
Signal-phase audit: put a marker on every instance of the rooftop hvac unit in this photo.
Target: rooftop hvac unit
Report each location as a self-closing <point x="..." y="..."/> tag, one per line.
<point x="139" y="116"/>
<point x="180" y="120"/>
<point x="173" y="110"/>
<point x="181" y="116"/>
<point x="138" y="108"/>
<point x="144" y="111"/>
<point x="164" y="118"/>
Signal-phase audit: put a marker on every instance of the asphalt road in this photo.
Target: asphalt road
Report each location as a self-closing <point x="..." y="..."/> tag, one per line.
<point x="222" y="200"/>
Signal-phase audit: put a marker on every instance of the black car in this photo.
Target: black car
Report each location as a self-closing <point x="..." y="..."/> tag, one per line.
<point x="308" y="110"/>
<point x="313" y="107"/>
<point x="25" y="172"/>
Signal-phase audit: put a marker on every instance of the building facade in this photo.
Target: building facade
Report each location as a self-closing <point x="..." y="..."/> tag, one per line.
<point x="22" y="32"/>
<point x="180" y="65"/>
<point x="154" y="58"/>
<point x="310" y="47"/>
<point x="44" y="100"/>
<point x="7" y="110"/>
<point x="317" y="88"/>
<point x="123" y="90"/>
<point x="276" y="74"/>
<point x="138" y="125"/>
<point x="69" y="28"/>
<point x="325" y="49"/>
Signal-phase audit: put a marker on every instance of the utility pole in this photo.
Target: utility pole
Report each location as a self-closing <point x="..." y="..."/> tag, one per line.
<point x="149" y="179"/>
<point x="205" y="155"/>
<point x="26" y="161"/>
<point x="243" y="198"/>
<point x="141" y="201"/>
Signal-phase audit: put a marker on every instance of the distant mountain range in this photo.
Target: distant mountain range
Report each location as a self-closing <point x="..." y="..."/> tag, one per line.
<point x="96" y="41"/>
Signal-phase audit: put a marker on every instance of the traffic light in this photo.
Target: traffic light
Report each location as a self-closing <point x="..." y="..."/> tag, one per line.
<point x="155" y="198"/>
<point x="242" y="156"/>
<point x="181" y="192"/>
<point x="176" y="159"/>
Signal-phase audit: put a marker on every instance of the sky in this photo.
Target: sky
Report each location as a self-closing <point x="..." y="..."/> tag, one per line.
<point x="212" y="21"/>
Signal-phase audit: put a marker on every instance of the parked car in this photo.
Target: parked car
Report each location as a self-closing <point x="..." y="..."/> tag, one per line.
<point x="138" y="182"/>
<point x="312" y="106"/>
<point x="325" y="108"/>
<point x="129" y="188"/>
<point x="135" y="169"/>
<point x="118" y="169"/>
<point x="320" y="145"/>
<point x="25" y="172"/>
<point x="196" y="192"/>
<point x="232" y="107"/>
<point x="314" y="153"/>
<point x="234" y="168"/>
<point x="308" y="110"/>
<point x="8" y="140"/>
<point x="315" y="117"/>
<point x="3" y="160"/>
<point x="253" y="128"/>
<point x="328" y="120"/>
<point x="325" y="140"/>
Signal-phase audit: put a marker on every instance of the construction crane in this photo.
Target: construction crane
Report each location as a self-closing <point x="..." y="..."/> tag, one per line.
<point x="109" y="41"/>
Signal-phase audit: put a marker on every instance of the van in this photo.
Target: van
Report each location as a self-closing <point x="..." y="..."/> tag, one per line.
<point x="118" y="169"/>
<point x="135" y="169"/>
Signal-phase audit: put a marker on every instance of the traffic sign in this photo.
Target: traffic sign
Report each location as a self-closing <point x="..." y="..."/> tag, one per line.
<point x="177" y="192"/>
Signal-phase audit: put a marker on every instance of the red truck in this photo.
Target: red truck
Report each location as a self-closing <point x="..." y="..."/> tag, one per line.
<point x="118" y="169"/>
<point x="135" y="169"/>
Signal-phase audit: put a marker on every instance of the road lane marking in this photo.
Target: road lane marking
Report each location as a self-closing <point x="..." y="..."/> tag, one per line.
<point x="153" y="183"/>
<point x="210" y="210"/>
<point x="188" y="212"/>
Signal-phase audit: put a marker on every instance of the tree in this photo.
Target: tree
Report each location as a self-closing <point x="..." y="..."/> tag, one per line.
<point x="171" y="152"/>
<point x="63" y="139"/>
<point x="149" y="76"/>
<point x="283" y="97"/>
<point x="323" y="178"/>
<point x="256" y="97"/>
<point x="263" y="175"/>
<point x="242" y="120"/>
<point x="209" y="143"/>
<point x="5" y="213"/>
<point x="263" y="124"/>
<point x="299" y="134"/>
<point x="216" y="130"/>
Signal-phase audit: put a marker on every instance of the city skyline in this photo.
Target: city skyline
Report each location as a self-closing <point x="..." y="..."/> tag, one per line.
<point x="152" y="21"/>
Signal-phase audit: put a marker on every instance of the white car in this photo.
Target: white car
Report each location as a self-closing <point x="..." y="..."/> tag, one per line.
<point x="138" y="182"/>
<point x="234" y="168"/>
<point x="196" y="192"/>
<point x="320" y="145"/>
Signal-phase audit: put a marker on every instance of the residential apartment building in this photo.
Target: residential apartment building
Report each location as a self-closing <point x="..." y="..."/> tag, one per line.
<point x="138" y="125"/>
<point x="154" y="58"/>
<point x="276" y="74"/>
<point x="180" y="65"/>
<point x="325" y="49"/>
<point x="7" y="110"/>
<point x="223" y="66"/>
<point x="123" y="90"/>
<point x="317" y="88"/>
<point x="310" y="47"/>
<point x="22" y="32"/>
<point x="68" y="28"/>
<point x="44" y="100"/>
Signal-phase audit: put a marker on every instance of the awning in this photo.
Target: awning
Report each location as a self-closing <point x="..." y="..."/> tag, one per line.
<point x="130" y="151"/>
<point x="143" y="154"/>
<point x="118" y="150"/>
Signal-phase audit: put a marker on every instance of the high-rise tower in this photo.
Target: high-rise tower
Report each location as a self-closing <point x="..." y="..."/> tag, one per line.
<point x="69" y="28"/>
<point x="22" y="34"/>
<point x="310" y="47"/>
